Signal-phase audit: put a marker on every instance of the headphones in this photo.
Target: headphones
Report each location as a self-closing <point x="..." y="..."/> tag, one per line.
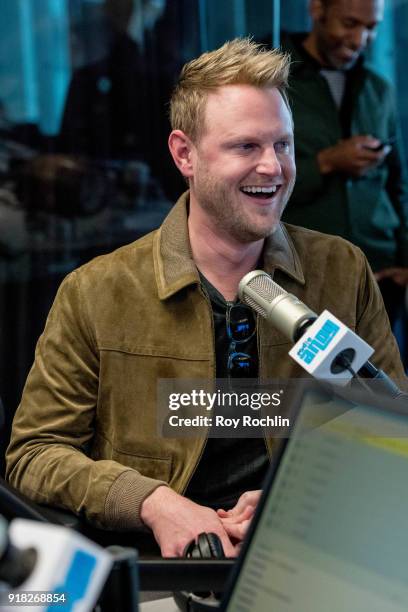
<point x="208" y="546"/>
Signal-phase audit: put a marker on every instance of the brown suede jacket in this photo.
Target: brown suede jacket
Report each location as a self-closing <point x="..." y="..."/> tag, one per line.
<point x="84" y="436"/>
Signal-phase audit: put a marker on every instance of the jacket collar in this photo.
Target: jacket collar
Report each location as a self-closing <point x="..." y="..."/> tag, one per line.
<point x="173" y="261"/>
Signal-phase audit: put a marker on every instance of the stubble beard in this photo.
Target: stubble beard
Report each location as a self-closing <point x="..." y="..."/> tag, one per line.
<point x="228" y="215"/>
<point x="329" y="56"/>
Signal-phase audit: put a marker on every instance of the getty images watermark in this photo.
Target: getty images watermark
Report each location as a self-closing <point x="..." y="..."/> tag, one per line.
<point x="252" y="409"/>
<point x="226" y="399"/>
<point x="219" y="409"/>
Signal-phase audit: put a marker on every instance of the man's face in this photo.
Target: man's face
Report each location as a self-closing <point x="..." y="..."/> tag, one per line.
<point x="344" y="28"/>
<point x="243" y="164"/>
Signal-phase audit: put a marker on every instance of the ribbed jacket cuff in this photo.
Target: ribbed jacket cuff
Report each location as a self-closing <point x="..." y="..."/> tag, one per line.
<point x="124" y="500"/>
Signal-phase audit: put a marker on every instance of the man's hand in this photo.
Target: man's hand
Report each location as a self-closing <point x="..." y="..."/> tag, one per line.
<point x="176" y="520"/>
<point x="352" y="156"/>
<point x="236" y="521"/>
<point x="398" y="275"/>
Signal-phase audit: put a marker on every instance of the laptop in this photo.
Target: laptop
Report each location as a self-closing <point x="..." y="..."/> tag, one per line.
<point x="331" y="528"/>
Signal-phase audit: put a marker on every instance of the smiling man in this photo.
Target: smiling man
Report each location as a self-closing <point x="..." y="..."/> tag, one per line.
<point x="342" y="30"/>
<point x="85" y="436"/>
<point x="242" y="169"/>
<point x="241" y="173"/>
<point x="351" y="176"/>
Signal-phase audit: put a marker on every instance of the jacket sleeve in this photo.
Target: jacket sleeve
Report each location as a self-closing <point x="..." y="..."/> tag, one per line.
<point x="54" y="426"/>
<point x="373" y="325"/>
<point x="397" y="186"/>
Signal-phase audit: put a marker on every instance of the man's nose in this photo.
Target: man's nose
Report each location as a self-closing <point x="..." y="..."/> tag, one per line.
<point x="359" y="38"/>
<point x="269" y="163"/>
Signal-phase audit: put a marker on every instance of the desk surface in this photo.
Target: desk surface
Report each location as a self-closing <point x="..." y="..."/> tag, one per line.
<point x="159" y="605"/>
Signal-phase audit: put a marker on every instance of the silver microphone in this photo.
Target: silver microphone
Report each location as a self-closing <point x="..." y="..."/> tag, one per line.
<point x="291" y="317"/>
<point x="284" y="310"/>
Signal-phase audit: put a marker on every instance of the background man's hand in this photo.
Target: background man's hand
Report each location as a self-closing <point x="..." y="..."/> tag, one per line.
<point x="176" y="520"/>
<point x="398" y="275"/>
<point x="236" y="521"/>
<point x="353" y="156"/>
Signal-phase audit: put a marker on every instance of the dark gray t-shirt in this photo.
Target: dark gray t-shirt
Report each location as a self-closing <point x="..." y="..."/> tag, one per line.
<point x="228" y="466"/>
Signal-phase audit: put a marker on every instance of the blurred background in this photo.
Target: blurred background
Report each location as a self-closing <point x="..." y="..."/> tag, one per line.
<point x="84" y="167"/>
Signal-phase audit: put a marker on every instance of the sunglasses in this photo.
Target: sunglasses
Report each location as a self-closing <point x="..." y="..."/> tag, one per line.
<point x="241" y="327"/>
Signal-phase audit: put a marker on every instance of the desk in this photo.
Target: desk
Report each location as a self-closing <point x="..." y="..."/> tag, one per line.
<point x="159" y="605"/>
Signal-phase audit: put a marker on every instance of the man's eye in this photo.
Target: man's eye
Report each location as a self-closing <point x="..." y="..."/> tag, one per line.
<point x="349" y="23"/>
<point x="282" y="146"/>
<point x="246" y="146"/>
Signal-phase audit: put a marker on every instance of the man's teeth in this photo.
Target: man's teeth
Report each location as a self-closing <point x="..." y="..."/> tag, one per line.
<point x="260" y="189"/>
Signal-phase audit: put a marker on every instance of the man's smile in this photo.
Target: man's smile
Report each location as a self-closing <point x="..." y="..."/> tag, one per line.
<point x="260" y="192"/>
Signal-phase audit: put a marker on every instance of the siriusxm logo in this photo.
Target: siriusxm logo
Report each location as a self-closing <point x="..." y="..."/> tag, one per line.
<point x="320" y="342"/>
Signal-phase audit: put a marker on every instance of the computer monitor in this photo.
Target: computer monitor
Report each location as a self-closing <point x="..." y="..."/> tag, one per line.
<point x="331" y="529"/>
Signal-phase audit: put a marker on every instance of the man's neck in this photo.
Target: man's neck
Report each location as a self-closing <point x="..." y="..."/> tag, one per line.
<point x="310" y="45"/>
<point x="222" y="260"/>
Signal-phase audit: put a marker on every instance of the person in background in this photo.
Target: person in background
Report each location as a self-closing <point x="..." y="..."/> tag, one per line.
<point x="115" y="109"/>
<point x="351" y="176"/>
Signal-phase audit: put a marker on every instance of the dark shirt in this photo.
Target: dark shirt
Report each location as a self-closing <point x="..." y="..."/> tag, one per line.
<point x="228" y="466"/>
<point x="354" y="76"/>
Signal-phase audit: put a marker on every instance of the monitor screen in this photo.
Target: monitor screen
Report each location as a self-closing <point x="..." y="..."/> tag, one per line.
<point x="332" y="532"/>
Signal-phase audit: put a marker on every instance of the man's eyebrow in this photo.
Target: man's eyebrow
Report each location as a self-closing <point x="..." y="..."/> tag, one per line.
<point x="233" y="137"/>
<point x="361" y="22"/>
<point x="286" y="136"/>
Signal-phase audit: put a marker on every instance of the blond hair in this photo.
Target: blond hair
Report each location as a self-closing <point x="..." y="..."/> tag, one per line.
<point x="238" y="62"/>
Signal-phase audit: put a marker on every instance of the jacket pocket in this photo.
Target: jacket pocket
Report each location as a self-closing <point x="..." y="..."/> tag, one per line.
<point x="152" y="466"/>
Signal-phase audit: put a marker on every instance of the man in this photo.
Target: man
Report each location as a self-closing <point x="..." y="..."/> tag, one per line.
<point x="350" y="171"/>
<point x="85" y="435"/>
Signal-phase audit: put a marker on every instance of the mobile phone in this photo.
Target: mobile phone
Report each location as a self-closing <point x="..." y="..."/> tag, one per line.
<point x="385" y="143"/>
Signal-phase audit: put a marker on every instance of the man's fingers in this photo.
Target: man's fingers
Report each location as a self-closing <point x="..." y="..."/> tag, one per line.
<point x="237" y="530"/>
<point x="237" y="526"/>
<point x="229" y="548"/>
<point x="247" y="499"/>
<point x="238" y="518"/>
<point x="170" y="551"/>
<point x="401" y="279"/>
<point x="398" y="275"/>
<point x="223" y="513"/>
<point x="175" y="548"/>
<point x="364" y="140"/>
<point x="366" y="155"/>
<point x="240" y="507"/>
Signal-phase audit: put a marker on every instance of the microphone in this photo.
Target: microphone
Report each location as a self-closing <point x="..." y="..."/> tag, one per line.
<point x="49" y="565"/>
<point x="329" y="351"/>
<point x="284" y="310"/>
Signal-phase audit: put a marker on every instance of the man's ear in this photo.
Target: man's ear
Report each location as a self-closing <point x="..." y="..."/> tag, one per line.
<point x="181" y="149"/>
<point x="317" y="10"/>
